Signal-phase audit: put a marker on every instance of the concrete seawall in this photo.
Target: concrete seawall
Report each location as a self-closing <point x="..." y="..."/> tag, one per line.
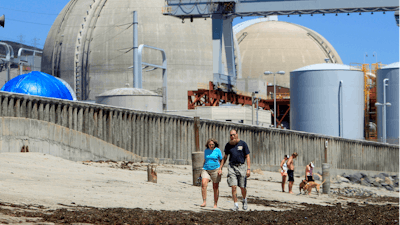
<point x="170" y="139"/>
<point x="49" y="138"/>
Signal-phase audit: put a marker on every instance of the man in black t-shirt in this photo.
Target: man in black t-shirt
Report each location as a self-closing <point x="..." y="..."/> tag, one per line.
<point x="238" y="172"/>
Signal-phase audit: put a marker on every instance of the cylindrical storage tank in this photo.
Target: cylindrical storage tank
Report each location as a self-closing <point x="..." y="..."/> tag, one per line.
<point x="327" y="99"/>
<point x="390" y="72"/>
<point x="132" y="98"/>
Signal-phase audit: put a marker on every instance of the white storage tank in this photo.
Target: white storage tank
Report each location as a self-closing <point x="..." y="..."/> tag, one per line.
<point x="132" y="98"/>
<point x="327" y="99"/>
<point x="390" y="72"/>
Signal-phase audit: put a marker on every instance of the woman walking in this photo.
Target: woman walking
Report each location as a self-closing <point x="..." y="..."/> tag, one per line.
<point x="284" y="171"/>
<point x="212" y="160"/>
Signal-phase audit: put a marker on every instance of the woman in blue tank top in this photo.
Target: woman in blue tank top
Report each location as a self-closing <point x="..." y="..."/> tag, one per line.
<point x="212" y="159"/>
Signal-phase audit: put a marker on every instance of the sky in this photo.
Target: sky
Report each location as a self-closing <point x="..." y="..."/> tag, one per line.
<point x="357" y="38"/>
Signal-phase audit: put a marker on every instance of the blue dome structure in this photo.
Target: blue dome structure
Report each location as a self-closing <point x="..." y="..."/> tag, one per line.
<point x="40" y="84"/>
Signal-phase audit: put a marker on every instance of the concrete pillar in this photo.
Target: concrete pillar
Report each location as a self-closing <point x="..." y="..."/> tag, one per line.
<point x="80" y="120"/>
<point x="52" y="113"/>
<point x="146" y="135"/>
<point x="141" y="142"/>
<point x="100" y="125"/>
<point x="158" y="134"/>
<point x="133" y="133"/>
<point x="85" y="126"/>
<point x="75" y="118"/>
<point x="128" y="124"/>
<point x="17" y="108"/>
<point x="46" y="112"/>
<point x="4" y="106"/>
<point x="151" y="136"/>
<point x="197" y="166"/>
<point x="113" y="127"/>
<point x="11" y="107"/>
<point x="70" y="116"/>
<point x="41" y="111"/>
<point x="23" y="108"/>
<point x="29" y="109"/>
<point x="58" y="114"/>
<point x="34" y="112"/>
<point x="91" y="122"/>
<point x="162" y="138"/>
<point x="95" y="123"/>
<point x="109" y="127"/>
<point x="64" y="116"/>
<point x="326" y="177"/>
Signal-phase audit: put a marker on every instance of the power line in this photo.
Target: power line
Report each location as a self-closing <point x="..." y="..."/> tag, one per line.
<point x="53" y="14"/>
<point x="21" y="21"/>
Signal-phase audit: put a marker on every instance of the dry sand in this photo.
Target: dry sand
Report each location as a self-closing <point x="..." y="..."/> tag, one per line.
<point x="52" y="182"/>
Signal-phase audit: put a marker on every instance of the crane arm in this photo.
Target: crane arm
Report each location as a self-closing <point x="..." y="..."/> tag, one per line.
<point x="205" y="8"/>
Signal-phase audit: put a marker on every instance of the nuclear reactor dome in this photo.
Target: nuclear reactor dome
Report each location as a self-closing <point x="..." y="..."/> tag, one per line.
<point x="274" y="46"/>
<point x="90" y="42"/>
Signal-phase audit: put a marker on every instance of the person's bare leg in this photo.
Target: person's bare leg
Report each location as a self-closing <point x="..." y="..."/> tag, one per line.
<point x="244" y="192"/>
<point x="283" y="183"/>
<point x="204" y="183"/>
<point x="234" y="197"/>
<point x="216" y="194"/>
<point x="290" y="187"/>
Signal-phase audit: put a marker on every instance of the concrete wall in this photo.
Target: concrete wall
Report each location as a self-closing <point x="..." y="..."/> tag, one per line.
<point x="49" y="138"/>
<point x="170" y="139"/>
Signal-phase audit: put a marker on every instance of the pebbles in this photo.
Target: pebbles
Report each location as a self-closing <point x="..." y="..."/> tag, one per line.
<point x="353" y="192"/>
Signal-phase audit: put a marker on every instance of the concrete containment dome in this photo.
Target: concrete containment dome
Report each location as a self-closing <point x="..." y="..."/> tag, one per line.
<point x="275" y="46"/>
<point x="132" y="98"/>
<point x="90" y="42"/>
<point x="390" y="72"/>
<point x="327" y="99"/>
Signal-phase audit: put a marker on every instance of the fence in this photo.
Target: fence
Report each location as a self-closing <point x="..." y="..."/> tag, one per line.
<point x="161" y="137"/>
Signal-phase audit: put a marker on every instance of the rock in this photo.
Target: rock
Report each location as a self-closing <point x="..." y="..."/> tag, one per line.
<point x="382" y="175"/>
<point x="379" y="180"/>
<point x="367" y="179"/>
<point x="365" y="182"/>
<point x="389" y="187"/>
<point x="388" y="181"/>
<point x="376" y="184"/>
<point x="259" y="171"/>
<point x="355" y="178"/>
<point x="341" y="179"/>
<point x="316" y="178"/>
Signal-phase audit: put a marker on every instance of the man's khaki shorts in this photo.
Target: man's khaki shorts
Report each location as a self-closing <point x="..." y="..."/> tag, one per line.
<point x="211" y="175"/>
<point x="237" y="175"/>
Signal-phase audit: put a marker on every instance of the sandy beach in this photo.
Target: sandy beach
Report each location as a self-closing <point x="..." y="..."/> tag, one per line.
<point x="36" y="179"/>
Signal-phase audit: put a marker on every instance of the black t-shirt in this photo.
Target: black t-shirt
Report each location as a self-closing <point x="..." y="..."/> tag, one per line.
<point x="237" y="153"/>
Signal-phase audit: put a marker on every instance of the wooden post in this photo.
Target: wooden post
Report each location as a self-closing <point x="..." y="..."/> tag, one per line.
<point x="197" y="156"/>
<point x="151" y="173"/>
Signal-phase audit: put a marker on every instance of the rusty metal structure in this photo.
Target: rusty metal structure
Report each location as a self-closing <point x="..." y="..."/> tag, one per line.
<point x="370" y="72"/>
<point x="214" y="96"/>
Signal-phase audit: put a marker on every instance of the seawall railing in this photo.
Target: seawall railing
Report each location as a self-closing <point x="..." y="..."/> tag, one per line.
<point x="168" y="138"/>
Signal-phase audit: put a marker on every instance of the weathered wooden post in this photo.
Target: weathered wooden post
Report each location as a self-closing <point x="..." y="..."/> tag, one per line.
<point x="197" y="156"/>
<point x="151" y="173"/>
<point x="325" y="172"/>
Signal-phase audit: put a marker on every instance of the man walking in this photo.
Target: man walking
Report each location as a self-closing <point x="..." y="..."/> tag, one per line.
<point x="290" y="171"/>
<point x="238" y="172"/>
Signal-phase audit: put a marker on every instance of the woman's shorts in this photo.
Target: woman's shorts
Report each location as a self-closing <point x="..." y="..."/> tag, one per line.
<point x="211" y="175"/>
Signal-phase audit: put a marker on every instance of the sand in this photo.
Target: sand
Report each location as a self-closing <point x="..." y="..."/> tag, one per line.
<point x="52" y="182"/>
